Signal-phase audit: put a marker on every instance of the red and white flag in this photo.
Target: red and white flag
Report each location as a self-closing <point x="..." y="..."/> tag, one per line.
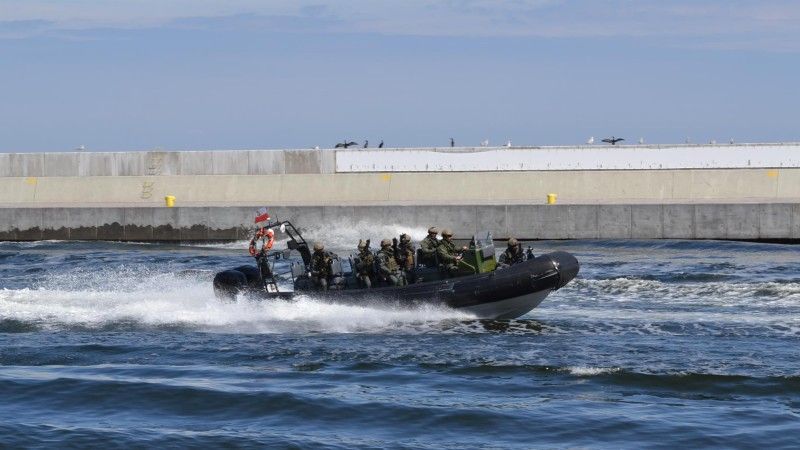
<point x="261" y="215"/>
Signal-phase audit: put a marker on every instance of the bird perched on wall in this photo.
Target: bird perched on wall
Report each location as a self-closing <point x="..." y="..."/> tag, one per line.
<point x="452" y="142"/>
<point x="641" y="141"/>
<point x="591" y="140"/>
<point x="366" y="144"/>
<point x="485" y="143"/>
<point x="381" y="144"/>
<point x="613" y="140"/>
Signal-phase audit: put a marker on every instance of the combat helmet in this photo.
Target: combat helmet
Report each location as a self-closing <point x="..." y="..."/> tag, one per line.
<point x="386" y="243"/>
<point x="447" y="232"/>
<point x="433" y="230"/>
<point x="405" y="238"/>
<point x="318" y="247"/>
<point x="362" y="244"/>
<point x="512" y="242"/>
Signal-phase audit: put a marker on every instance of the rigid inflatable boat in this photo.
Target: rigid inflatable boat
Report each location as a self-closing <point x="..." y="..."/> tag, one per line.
<point x="481" y="288"/>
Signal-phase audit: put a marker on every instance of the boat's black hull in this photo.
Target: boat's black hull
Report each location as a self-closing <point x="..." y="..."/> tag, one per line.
<point x="503" y="294"/>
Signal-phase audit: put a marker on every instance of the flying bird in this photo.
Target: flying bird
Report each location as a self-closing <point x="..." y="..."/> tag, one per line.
<point x="613" y="140"/>
<point x="345" y="144"/>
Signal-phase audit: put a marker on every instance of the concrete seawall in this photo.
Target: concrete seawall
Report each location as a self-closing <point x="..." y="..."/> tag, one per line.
<point x="774" y="221"/>
<point x="741" y="191"/>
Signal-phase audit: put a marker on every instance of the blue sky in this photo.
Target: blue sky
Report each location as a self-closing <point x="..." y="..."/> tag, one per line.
<point x="198" y="74"/>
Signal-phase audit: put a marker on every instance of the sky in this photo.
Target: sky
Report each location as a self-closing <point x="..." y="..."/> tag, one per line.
<point x="113" y="75"/>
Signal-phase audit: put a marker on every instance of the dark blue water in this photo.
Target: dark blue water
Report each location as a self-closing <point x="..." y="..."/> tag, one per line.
<point x="657" y="344"/>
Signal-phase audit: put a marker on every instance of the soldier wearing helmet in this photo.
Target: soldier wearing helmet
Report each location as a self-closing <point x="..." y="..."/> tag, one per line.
<point x="447" y="253"/>
<point x="321" y="267"/>
<point x="365" y="265"/>
<point x="512" y="255"/>
<point x="388" y="269"/>
<point x="405" y="252"/>
<point x="427" y="248"/>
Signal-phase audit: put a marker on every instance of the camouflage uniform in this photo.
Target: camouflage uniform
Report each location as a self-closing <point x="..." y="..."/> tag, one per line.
<point x="365" y="265"/>
<point x="387" y="265"/>
<point x="320" y="267"/>
<point x="512" y="255"/>
<point x="405" y="253"/>
<point x="448" y="254"/>
<point x="428" y="248"/>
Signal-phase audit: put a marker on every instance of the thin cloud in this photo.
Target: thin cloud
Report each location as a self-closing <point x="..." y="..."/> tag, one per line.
<point x="719" y="22"/>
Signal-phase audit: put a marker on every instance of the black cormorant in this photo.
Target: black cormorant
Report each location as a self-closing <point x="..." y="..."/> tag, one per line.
<point x="613" y="140"/>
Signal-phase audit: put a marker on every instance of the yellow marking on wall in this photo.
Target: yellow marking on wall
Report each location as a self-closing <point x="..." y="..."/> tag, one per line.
<point x="772" y="173"/>
<point x="386" y="177"/>
<point x="31" y="180"/>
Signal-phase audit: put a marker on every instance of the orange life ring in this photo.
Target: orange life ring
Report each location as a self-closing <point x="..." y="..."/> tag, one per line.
<point x="269" y="234"/>
<point x="270" y="239"/>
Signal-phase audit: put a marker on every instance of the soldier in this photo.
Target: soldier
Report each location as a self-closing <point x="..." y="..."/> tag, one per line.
<point x="405" y="253"/>
<point x="365" y="265"/>
<point x="320" y="267"/>
<point x="405" y="257"/>
<point x="512" y="255"/>
<point x="428" y="248"/>
<point x="448" y="254"/>
<point x="388" y="268"/>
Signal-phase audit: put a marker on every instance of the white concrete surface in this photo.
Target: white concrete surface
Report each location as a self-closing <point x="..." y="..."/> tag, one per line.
<point x="595" y="157"/>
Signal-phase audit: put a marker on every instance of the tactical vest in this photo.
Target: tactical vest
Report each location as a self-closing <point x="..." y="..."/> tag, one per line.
<point x="387" y="261"/>
<point x="320" y="262"/>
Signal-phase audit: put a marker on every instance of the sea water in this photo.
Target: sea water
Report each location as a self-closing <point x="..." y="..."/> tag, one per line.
<point x="656" y="344"/>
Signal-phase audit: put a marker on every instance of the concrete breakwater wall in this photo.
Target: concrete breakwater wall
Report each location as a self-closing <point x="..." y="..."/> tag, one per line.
<point x="771" y="221"/>
<point x="738" y="191"/>
<point x="492" y="188"/>
<point x="583" y="174"/>
<point x="459" y="159"/>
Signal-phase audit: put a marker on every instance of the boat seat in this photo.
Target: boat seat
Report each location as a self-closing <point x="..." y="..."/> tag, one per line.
<point x="337" y="280"/>
<point x="298" y="269"/>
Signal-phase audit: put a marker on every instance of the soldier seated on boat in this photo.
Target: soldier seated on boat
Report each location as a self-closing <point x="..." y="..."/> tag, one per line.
<point x="365" y="265"/>
<point x="512" y="255"/>
<point x="405" y="252"/>
<point x="321" y="267"/>
<point x="427" y="248"/>
<point x="449" y="256"/>
<point x="388" y="269"/>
